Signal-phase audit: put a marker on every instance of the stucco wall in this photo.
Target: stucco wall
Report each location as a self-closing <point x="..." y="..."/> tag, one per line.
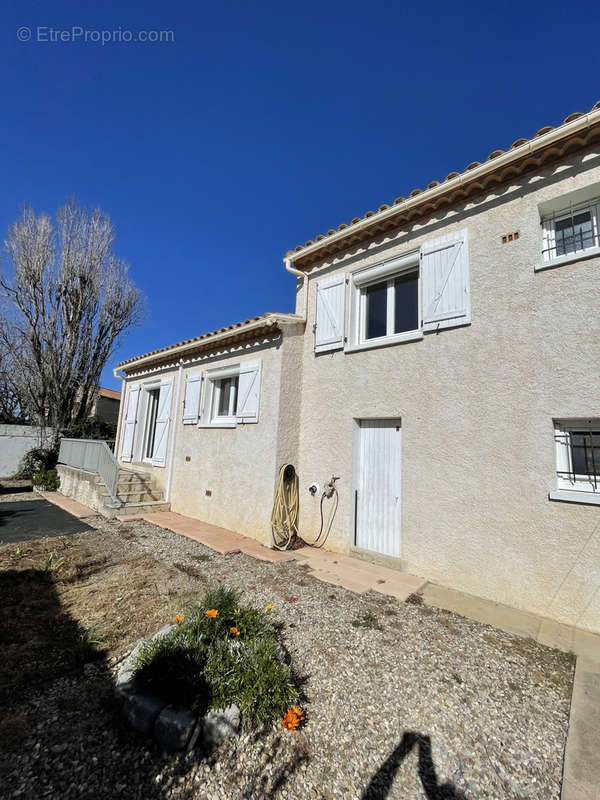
<point x="83" y="486"/>
<point x="237" y="466"/>
<point x="477" y="405"/>
<point x="15" y="442"/>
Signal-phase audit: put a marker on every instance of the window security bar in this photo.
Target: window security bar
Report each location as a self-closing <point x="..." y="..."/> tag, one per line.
<point x="582" y="455"/>
<point x="571" y="230"/>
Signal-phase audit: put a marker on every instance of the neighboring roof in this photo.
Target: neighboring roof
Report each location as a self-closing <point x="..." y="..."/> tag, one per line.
<point x="548" y="144"/>
<point x="110" y="393"/>
<point x="248" y="329"/>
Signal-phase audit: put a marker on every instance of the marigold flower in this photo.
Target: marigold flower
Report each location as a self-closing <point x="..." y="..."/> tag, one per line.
<point x="292" y="718"/>
<point x="270" y="607"/>
<point x="179" y="618"/>
<point x="212" y="613"/>
<point x="235" y="631"/>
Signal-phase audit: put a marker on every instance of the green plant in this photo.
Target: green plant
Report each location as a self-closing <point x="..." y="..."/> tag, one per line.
<point x="221" y="653"/>
<point x="47" y="480"/>
<point x="51" y="562"/>
<point x="201" y="557"/>
<point x="39" y="459"/>
<point x="367" y="621"/>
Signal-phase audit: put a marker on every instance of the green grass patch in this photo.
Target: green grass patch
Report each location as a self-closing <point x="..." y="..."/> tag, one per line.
<point x="213" y="661"/>
<point x="201" y="557"/>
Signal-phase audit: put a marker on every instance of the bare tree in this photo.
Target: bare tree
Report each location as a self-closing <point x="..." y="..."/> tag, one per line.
<point x="66" y="305"/>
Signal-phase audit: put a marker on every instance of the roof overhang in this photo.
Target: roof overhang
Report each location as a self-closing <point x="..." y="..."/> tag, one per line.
<point x="251" y="330"/>
<point x="577" y="132"/>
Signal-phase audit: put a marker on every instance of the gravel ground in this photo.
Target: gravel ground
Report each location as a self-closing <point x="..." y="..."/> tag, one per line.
<point x="426" y="705"/>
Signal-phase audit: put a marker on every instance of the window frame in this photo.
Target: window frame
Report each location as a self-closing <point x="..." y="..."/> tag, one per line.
<point x="210" y="398"/>
<point x="384" y="272"/>
<point x="566" y="478"/>
<point x="548" y="222"/>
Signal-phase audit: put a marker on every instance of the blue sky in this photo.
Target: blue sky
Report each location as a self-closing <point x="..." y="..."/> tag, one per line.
<point x="263" y="125"/>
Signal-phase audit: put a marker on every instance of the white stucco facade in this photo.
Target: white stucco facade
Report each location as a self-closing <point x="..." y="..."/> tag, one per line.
<point x="476" y="404"/>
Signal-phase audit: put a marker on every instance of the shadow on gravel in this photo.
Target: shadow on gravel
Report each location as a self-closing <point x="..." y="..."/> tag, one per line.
<point x="62" y="733"/>
<point x="381" y="783"/>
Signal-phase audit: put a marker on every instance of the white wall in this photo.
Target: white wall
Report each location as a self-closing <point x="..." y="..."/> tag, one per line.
<point x="477" y="405"/>
<point x="15" y="442"/>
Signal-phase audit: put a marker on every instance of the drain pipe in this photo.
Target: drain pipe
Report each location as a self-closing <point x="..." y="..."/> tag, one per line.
<point x="174" y="433"/>
<point x="288" y="261"/>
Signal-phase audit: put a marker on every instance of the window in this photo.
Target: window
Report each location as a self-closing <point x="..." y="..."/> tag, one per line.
<point x="231" y="395"/>
<point x="386" y="302"/>
<point x="150" y="426"/>
<point x="578" y="454"/>
<point x="225" y="394"/>
<point x="571" y="231"/>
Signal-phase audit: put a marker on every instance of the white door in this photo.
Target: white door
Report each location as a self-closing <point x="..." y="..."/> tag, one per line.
<point x="377" y="486"/>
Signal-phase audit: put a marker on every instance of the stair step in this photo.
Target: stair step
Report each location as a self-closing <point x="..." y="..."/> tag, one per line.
<point x="136" y="508"/>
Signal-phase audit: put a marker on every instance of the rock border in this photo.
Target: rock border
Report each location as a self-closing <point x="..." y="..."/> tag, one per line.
<point x="173" y="729"/>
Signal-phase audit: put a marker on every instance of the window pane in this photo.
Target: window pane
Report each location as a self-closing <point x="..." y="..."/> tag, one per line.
<point x="376" y="310"/>
<point x="574" y="233"/>
<point x="224" y="397"/>
<point x="151" y="421"/>
<point x="585" y="452"/>
<point x="227" y="397"/>
<point x="406" y="316"/>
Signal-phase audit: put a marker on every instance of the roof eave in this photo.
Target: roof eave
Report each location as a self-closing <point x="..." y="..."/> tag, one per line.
<point x="531" y="146"/>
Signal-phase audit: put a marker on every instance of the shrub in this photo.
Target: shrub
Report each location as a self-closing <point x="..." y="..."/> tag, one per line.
<point x="213" y="661"/>
<point x="40" y="459"/>
<point x="46" y="480"/>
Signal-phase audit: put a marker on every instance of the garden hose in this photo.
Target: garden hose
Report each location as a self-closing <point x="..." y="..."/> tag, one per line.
<point x="284" y="517"/>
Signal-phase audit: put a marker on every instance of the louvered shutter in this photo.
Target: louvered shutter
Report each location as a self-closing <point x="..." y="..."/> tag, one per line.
<point x="191" y="403"/>
<point x="130" y="418"/>
<point x="445" y="280"/>
<point x="248" y="399"/>
<point x="163" y="417"/>
<point x="329" y="320"/>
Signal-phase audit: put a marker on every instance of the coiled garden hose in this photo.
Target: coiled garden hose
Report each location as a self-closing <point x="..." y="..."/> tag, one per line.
<point x="284" y="517"/>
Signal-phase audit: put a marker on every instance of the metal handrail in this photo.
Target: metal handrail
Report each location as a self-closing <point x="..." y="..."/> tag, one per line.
<point x="92" y="455"/>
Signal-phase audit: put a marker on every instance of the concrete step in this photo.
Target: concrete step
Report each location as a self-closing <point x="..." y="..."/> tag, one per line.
<point x="133" y="509"/>
<point x="137" y="496"/>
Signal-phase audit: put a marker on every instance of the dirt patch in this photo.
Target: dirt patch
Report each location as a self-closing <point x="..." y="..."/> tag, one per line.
<point x="64" y="601"/>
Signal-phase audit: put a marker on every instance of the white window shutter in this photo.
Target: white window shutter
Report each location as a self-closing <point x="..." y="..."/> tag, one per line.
<point x="249" y="391"/>
<point x="191" y="403"/>
<point x="130" y="419"/>
<point x="330" y="313"/>
<point x="445" y="281"/>
<point x="163" y="417"/>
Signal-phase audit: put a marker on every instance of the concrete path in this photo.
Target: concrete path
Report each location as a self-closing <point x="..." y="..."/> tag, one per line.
<point x="581" y="772"/>
<point x="69" y="505"/>
<point x="545" y="631"/>
<point x="352" y="573"/>
<point x="219" y="539"/>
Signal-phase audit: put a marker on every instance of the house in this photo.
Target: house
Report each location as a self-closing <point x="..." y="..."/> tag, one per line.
<point x="105" y="405"/>
<point x="442" y="364"/>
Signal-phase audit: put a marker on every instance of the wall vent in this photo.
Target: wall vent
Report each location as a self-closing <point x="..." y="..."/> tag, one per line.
<point x="510" y="237"/>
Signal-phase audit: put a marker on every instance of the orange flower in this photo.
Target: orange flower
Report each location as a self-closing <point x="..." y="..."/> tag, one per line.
<point x="292" y="718"/>
<point x="179" y="618"/>
<point x="212" y="613"/>
<point x="270" y="607"/>
<point x="235" y="631"/>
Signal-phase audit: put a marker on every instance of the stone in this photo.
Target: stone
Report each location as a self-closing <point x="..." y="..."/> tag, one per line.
<point x="220" y="724"/>
<point x="141" y="711"/>
<point x="172" y="729"/>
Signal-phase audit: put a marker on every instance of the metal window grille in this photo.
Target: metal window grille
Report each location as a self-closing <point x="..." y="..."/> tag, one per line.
<point x="581" y="456"/>
<point x="571" y="230"/>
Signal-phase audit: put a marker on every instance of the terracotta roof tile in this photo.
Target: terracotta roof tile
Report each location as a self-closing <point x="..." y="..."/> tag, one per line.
<point x="433" y="184"/>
